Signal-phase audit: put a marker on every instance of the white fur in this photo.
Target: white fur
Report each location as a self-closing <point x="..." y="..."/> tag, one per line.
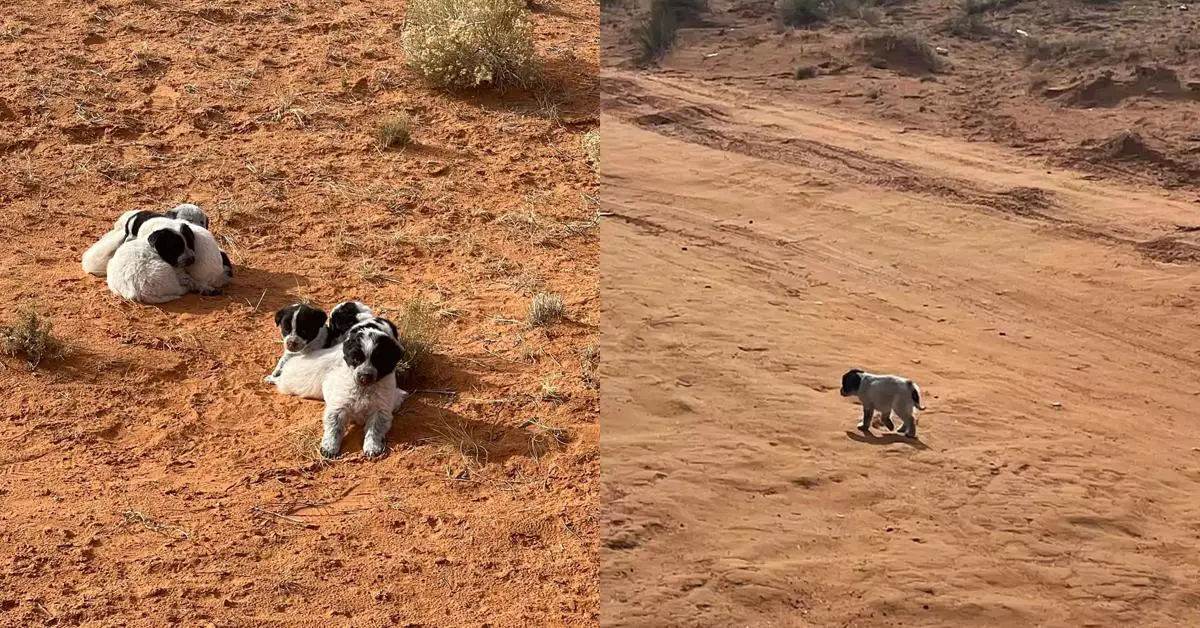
<point x="95" y="259"/>
<point x="138" y="273"/>
<point x="348" y="402"/>
<point x="208" y="271"/>
<point x="303" y="374"/>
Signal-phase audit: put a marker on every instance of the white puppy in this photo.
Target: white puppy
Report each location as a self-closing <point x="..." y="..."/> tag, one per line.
<point x="886" y="393"/>
<point x="211" y="271"/>
<point x="153" y="270"/>
<point x="361" y="387"/>
<point x="95" y="259"/>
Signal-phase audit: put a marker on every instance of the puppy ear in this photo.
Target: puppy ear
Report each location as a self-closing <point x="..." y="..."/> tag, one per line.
<point x="188" y="236"/>
<point x="386" y="355"/>
<point x="135" y="222"/>
<point x="168" y="244"/>
<point x="281" y="314"/>
<point x="392" y="327"/>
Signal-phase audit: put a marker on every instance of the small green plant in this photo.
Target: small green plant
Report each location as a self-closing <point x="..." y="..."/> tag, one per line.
<point x="470" y="43"/>
<point x="395" y="132"/>
<point x="591" y="147"/>
<point x="31" y="337"/>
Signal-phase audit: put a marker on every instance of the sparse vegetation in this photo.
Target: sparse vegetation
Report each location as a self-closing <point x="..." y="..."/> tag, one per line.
<point x="657" y="34"/>
<point x="32" y="338"/>
<point x="546" y="308"/>
<point x="591" y="147"/>
<point x="395" y="132"/>
<point x="590" y="367"/>
<point x="417" y="324"/>
<point x="899" y="50"/>
<point x="470" y="43"/>
<point x="469" y="444"/>
<point x="807" y="13"/>
<point x="544" y="438"/>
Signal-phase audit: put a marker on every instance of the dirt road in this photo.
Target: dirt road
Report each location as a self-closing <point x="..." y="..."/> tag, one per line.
<point x="756" y="250"/>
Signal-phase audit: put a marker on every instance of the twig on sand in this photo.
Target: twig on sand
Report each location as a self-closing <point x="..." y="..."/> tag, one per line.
<point x="425" y="391"/>
<point x="289" y="519"/>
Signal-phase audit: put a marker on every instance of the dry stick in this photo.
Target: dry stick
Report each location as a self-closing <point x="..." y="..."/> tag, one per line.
<point x="299" y="522"/>
<point x="429" y="391"/>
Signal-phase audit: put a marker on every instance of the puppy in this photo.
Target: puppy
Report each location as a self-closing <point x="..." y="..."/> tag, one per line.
<point x="361" y="387"/>
<point x="302" y="372"/>
<point x="345" y="315"/>
<point x="886" y="393"/>
<point x="153" y="270"/>
<point x="95" y="259"/>
<point x="211" y="271"/>
<point x="303" y="329"/>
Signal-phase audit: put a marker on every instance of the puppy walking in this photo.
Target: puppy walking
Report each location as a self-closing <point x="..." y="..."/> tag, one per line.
<point x="886" y="393"/>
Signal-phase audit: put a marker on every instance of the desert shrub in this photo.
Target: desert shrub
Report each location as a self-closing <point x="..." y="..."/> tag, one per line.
<point x="591" y="147"/>
<point x="469" y="43"/>
<point x="801" y="13"/>
<point x="396" y="132"/>
<point x="545" y="309"/>
<point x="31" y="337"/>
<point x="899" y="50"/>
<point x="657" y="34"/>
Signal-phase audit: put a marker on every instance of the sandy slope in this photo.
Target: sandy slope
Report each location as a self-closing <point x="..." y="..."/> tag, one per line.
<point x="756" y="251"/>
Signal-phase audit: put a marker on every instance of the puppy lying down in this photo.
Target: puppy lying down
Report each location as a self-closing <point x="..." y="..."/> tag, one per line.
<point x="887" y="394"/>
<point x="153" y="270"/>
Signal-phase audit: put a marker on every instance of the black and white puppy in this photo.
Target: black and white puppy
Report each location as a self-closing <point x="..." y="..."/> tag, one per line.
<point x="345" y="315"/>
<point x="886" y="393"/>
<point x="95" y="259"/>
<point x="361" y="387"/>
<point x="303" y="329"/>
<point x="211" y="271"/>
<point x="154" y="269"/>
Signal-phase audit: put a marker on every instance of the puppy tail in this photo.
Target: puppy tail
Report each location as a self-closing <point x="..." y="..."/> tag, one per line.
<point x="916" y="395"/>
<point x="95" y="259"/>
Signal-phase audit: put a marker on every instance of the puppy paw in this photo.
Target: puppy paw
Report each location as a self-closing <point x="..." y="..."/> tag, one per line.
<point x="373" y="450"/>
<point x="210" y="292"/>
<point x="270" y="379"/>
<point x="329" y="452"/>
<point x="865" y="429"/>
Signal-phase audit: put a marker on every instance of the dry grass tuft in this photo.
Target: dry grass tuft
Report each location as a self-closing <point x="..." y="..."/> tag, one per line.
<point x="470" y="43"/>
<point x="395" y="133"/>
<point x="591" y="147"/>
<point x="545" y="438"/>
<point x="590" y="367"/>
<point x="469" y="444"/>
<point x="304" y="442"/>
<point x="31" y="337"/>
<point x="899" y="50"/>
<point x="417" y="323"/>
<point x="546" y="308"/>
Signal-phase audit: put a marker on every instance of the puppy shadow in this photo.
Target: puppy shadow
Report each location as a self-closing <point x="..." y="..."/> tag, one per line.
<point x="266" y="290"/>
<point x="887" y="438"/>
<point x="465" y="444"/>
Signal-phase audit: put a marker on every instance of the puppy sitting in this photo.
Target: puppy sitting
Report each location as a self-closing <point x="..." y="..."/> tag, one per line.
<point x="153" y="270"/>
<point x="95" y="259"/>
<point x="886" y="393"/>
<point x="361" y="387"/>
<point x="303" y="329"/>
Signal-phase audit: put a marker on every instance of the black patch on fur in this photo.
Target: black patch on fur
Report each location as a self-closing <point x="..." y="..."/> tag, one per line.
<point x="283" y="319"/>
<point x="135" y="222"/>
<point x="916" y="396"/>
<point x="188" y="236"/>
<point x="341" y="319"/>
<point x="851" y="381"/>
<point x="352" y="350"/>
<point x="168" y="244"/>
<point x="308" y="322"/>
<point x="226" y="264"/>
<point x="386" y="356"/>
<point x="391" y="327"/>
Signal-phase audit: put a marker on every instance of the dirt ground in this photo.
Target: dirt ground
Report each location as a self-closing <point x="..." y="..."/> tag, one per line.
<point x="768" y="233"/>
<point x="151" y="478"/>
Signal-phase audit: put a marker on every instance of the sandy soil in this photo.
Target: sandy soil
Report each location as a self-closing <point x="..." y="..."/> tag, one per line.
<point x="151" y="478"/>
<point x="762" y="242"/>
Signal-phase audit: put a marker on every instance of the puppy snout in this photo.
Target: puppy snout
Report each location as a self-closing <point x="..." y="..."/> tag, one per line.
<point x="364" y="377"/>
<point x="293" y="343"/>
<point x="188" y="259"/>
